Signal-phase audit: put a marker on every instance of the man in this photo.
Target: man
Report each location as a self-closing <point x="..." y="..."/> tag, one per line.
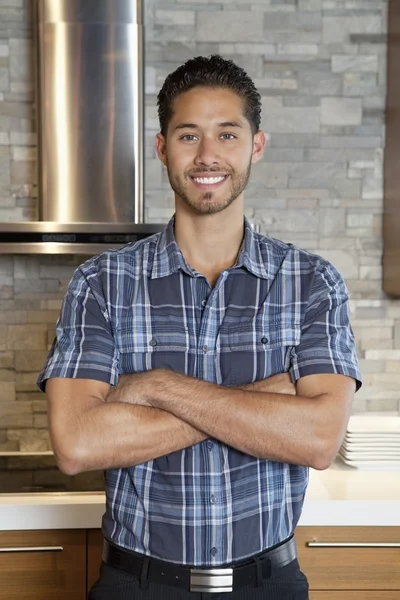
<point x="205" y="369"/>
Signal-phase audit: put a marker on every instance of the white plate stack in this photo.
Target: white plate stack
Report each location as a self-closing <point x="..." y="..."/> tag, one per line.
<point x="372" y="442"/>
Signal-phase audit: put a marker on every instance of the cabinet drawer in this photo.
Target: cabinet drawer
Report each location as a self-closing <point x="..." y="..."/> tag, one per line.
<point x="43" y="565"/>
<point x="363" y="563"/>
<point x="341" y="595"/>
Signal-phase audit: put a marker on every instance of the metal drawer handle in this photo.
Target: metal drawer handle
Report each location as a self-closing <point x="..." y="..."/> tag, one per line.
<point x="316" y="544"/>
<point x="33" y="549"/>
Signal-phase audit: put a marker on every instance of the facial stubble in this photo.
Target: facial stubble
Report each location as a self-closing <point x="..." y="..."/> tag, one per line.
<point x="203" y="205"/>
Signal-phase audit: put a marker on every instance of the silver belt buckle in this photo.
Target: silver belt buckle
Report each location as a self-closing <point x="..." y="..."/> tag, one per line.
<point x="211" y="580"/>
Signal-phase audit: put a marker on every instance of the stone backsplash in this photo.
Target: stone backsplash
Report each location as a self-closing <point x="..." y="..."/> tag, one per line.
<point x="320" y="66"/>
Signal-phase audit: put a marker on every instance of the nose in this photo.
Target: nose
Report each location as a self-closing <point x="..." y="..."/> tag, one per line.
<point x="207" y="153"/>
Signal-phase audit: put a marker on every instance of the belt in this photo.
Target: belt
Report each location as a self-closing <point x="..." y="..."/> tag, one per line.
<point x="195" y="579"/>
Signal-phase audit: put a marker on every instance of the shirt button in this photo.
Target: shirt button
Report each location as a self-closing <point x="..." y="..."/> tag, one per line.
<point x="214" y="551"/>
<point x="210" y="445"/>
<point x="212" y="499"/>
<point x="153" y="342"/>
<point x="204" y="302"/>
<point x="264" y="340"/>
<point x="205" y="349"/>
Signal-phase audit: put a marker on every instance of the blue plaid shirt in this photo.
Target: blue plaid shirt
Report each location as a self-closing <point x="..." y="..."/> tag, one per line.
<point x="278" y="309"/>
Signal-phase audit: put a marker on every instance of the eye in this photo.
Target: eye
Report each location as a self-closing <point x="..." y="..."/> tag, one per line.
<point x="188" y="135"/>
<point x="231" y="136"/>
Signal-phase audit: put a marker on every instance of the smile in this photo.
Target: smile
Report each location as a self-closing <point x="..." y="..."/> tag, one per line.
<point x="209" y="181"/>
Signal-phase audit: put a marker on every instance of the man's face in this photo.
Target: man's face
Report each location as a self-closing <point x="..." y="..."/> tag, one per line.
<point x="209" y="149"/>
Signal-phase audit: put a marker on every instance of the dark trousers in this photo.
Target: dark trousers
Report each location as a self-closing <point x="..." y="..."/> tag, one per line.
<point x="287" y="583"/>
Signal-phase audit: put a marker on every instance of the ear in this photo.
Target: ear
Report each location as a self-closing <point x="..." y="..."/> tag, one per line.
<point x="160" y="144"/>
<point x="259" y="144"/>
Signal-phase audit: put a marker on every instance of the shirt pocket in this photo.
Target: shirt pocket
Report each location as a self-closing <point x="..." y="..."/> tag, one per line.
<point x="166" y="347"/>
<point x="257" y="351"/>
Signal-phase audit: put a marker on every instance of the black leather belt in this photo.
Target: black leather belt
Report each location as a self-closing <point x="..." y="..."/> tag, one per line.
<point x="221" y="579"/>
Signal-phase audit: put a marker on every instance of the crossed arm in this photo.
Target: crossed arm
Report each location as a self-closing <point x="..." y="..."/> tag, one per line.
<point x="305" y="429"/>
<point x="155" y="413"/>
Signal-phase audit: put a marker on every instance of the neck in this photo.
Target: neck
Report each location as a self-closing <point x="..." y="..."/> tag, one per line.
<point x="209" y="243"/>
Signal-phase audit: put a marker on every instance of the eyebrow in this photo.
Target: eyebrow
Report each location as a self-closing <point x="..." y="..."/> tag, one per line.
<point x="194" y="126"/>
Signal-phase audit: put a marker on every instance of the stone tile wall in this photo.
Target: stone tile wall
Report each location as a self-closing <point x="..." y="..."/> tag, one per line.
<point x="320" y="66"/>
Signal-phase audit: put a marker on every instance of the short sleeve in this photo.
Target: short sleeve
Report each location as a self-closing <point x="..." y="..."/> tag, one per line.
<point x="327" y="343"/>
<point x="84" y="346"/>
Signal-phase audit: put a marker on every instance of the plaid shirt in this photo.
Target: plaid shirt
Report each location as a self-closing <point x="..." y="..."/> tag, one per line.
<point x="278" y="309"/>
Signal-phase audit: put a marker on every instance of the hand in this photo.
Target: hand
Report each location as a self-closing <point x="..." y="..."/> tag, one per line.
<point x="276" y="384"/>
<point x="131" y="389"/>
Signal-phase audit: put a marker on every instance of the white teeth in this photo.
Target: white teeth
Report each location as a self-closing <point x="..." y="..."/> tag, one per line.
<point x="208" y="180"/>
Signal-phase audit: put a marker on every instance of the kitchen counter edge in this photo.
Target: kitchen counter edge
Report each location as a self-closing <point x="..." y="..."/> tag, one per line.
<point x="339" y="496"/>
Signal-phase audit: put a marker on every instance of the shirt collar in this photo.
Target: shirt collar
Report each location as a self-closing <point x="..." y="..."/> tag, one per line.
<point x="251" y="256"/>
<point x="168" y="257"/>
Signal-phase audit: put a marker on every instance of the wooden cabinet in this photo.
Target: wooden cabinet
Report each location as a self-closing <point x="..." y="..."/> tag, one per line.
<point x="43" y="565"/>
<point x="350" y="563"/>
<point x="354" y="595"/>
<point x="341" y="563"/>
<point x="94" y="552"/>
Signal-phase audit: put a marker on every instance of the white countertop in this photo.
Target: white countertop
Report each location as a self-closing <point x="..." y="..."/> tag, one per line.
<point x="341" y="495"/>
<point x="347" y="496"/>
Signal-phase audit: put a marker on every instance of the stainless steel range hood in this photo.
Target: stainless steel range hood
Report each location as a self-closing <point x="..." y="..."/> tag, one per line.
<point x="90" y="129"/>
<point x="46" y="237"/>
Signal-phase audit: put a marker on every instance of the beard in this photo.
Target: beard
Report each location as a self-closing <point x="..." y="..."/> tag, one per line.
<point x="206" y="203"/>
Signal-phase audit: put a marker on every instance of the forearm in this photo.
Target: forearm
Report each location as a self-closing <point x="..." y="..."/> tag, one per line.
<point x="176" y="431"/>
<point x="281" y="383"/>
<point x="267" y="425"/>
<point x="123" y="435"/>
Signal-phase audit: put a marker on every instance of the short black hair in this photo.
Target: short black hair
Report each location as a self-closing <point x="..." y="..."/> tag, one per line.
<point x="214" y="72"/>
